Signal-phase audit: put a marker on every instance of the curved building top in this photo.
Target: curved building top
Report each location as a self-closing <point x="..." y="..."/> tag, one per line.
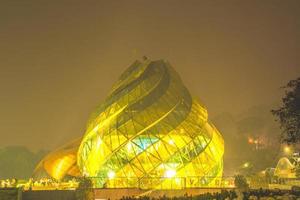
<point x="149" y="129"/>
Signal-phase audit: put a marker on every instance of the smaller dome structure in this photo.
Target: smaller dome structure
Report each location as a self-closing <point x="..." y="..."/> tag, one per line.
<point x="59" y="163"/>
<point x="284" y="168"/>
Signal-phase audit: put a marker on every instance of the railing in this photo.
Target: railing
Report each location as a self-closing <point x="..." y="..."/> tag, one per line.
<point x="268" y="183"/>
<point x="163" y="182"/>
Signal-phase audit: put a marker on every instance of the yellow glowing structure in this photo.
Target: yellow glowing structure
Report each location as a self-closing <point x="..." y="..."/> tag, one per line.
<point x="148" y="133"/>
<point x="285" y="168"/>
<point x="59" y="163"/>
<point x="149" y="129"/>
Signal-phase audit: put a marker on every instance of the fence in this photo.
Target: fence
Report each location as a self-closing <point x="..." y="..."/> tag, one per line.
<point x="163" y="182"/>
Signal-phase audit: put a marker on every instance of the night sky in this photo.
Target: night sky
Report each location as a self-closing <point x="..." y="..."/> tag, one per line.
<point x="59" y="59"/>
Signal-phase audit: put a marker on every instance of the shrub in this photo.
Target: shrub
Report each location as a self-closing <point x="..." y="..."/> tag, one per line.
<point x="85" y="189"/>
<point x="240" y="182"/>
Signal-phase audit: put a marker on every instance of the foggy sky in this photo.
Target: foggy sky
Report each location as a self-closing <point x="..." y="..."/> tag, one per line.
<point x="59" y="59"/>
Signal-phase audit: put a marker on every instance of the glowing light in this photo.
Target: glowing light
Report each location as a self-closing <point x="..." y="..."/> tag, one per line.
<point x="287" y="150"/>
<point x="250" y="140"/>
<point x="111" y="174"/>
<point x="245" y="165"/>
<point x="170" y="173"/>
<point x="99" y="142"/>
<point x="171" y="142"/>
<point x="129" y="147"/>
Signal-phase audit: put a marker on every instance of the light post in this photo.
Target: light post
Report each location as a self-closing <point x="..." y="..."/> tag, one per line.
<point x="287" y="150"/>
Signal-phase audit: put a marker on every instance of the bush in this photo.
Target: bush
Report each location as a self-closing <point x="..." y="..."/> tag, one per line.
<point x="9" y="194"/>
<point x="297" y="170"/>
<point x="240" y="182"/>
<point x="85" y="189"/>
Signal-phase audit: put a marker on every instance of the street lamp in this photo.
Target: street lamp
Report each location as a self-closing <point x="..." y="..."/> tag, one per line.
<point x="287" y="150"/>
<point x="245" y="165"/>
<point x="170" y="173"/>
<point x="111" y="174"/>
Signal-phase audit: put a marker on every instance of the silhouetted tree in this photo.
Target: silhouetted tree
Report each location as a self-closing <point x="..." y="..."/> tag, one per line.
<point x="85" y="189"/>
<point x="297" y="170"/>
<point x="289" y="113"/>
<point x="240" y="182"/>
<point x="18" y="162"/>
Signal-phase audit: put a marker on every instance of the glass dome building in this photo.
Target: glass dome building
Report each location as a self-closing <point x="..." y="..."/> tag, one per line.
<point x="150" y="133"/>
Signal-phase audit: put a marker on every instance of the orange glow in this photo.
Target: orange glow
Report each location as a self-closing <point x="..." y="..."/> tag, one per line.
<point x="250" y="140"/>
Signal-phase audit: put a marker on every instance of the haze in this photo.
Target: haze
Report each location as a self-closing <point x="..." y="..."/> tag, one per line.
<point x="59" y="59"/>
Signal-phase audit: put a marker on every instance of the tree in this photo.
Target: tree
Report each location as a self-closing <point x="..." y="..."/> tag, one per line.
<point x="18" y="162"/>
<point x="288" y="114"/>
<point x="297" y="170"/>
<point x="240" y="182"/>
<point x="85" y="189"/>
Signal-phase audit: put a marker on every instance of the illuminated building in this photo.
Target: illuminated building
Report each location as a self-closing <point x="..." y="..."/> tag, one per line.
<point x="285" y="168"/>
<point x="59" y="163"/>
<point x="150" y="133"/>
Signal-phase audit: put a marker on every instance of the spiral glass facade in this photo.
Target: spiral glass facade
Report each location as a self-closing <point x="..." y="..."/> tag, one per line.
<point x="149" y="130"/>
<point x="148" y="133"/>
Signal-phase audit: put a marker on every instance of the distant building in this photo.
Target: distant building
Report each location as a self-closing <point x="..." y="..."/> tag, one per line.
<point x="286" y="166"/>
